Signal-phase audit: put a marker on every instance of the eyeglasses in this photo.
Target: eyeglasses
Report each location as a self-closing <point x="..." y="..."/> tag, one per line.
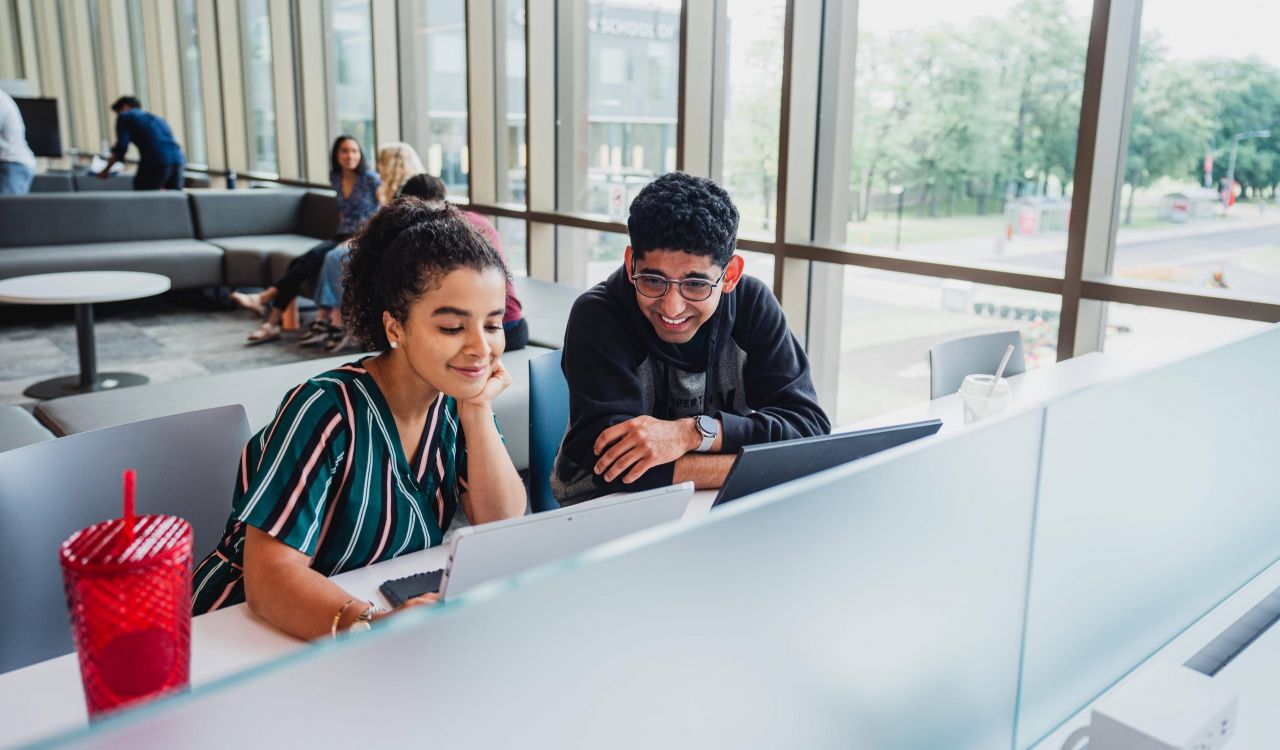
<point x="694" y="290"/>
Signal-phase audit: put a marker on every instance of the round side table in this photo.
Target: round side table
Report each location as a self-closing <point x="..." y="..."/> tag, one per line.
<point x="82" y="289"/>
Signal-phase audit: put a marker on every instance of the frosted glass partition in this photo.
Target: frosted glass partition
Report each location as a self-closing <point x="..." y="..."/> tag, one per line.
<point x="878" y="605"/>
<point x="1158" y="498"/>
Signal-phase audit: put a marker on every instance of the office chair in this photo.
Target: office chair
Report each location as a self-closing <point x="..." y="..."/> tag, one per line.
<point x="548" y="420"/>
<point x="951" y="361"/>
<point x="186" y="467"/>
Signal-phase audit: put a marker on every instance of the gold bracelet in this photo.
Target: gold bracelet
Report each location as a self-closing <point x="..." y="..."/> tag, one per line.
<point x="333" y="629"/>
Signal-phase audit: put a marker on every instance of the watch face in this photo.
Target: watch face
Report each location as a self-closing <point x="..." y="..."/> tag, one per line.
<point x="706" y="425"/>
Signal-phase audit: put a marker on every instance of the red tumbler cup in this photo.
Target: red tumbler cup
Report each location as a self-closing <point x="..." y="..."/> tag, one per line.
<point x="129" y="597"/>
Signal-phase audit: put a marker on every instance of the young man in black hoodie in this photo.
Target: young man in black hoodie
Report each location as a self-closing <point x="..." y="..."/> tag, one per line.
<point x="678" y="359"/>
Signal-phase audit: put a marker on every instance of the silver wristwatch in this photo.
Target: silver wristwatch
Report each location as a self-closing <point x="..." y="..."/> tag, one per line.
<point x="708" y="427"/>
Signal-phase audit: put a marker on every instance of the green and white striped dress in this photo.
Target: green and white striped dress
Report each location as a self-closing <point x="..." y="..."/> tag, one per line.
<point x="329" y="478"/>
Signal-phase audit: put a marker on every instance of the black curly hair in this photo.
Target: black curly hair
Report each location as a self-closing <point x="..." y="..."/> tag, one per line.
<point x="678" y="211"/>
<point x="400" y="253"/>
<point x="424" y="186"/>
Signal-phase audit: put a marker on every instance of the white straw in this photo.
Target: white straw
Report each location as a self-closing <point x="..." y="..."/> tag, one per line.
<point x="1008" y="352"/>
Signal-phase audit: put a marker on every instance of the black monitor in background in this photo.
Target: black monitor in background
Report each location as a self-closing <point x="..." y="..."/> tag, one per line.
<point x="759" y="467"/>
<point x="40" y="116"/>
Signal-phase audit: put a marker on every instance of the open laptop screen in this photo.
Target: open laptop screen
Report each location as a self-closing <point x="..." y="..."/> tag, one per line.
<point x="759" y="467"/>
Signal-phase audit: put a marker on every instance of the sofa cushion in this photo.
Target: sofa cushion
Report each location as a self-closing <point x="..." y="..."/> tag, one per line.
<point x="236" y="213"/>
<point x="546" y="309"/>
<point x="249" y="258"/>
<point x="52" y="182"/>
<point x="91" y="183"/>
<point x="260" y="391"/>
<point x="188" y="263"/>
<point x="18" y="428"/>
<point x="319" y="214"/>
<point x="74" y="218"/>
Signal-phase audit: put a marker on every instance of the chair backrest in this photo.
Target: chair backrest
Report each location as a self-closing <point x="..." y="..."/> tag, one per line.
<point x="548" y="420"/>
<point x="951" y="361"/>
<point x="186" y="466"/>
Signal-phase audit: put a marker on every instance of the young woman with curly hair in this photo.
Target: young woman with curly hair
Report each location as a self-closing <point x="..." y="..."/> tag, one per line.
<point x="372" y="459"/>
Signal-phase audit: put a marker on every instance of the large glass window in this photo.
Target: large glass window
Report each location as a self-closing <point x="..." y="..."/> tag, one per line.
<point x="1198" y="206"/>
<point x="350" y="63"/>
<point x="10" y="44"/>
<point x="138" y="51"/>
<point x="435" y="88"/>
<point x="753" y="107"/>
<point x="1150" y="334"/>
<point x="617" y="107"/>
<point x="585" y="257"/>
<point x="889" y="321"/>
<point x="965" y="125"/>
<point x="513" y="146"/>
<point x="193" y="103"/>
<point x="617" y="101"/>
<point x="259" y="88"/>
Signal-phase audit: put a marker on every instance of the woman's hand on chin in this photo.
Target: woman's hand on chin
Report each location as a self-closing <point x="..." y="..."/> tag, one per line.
<point x="497" y="382"/>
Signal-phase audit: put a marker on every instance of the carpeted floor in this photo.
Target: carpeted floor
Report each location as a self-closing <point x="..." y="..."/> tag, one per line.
<point x="171" y="337"/>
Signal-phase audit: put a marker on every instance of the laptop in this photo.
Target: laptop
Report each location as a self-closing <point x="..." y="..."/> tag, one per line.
<point x="478" y="554"/>
<point x="759" y="467"/>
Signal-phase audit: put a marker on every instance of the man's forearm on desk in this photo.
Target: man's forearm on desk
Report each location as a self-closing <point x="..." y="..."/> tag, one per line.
<point x="706" y="471"/>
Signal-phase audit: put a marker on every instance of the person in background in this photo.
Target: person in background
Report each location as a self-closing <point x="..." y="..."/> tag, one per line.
<point x="429" y="187"/>
<point x="356" y="186"/>
<point x="678" y="359"/>
<point x="373" y="459"/>
<point x="17" y="163"/>
<point x="397" y="162"/>
<point x="160" y="159"/>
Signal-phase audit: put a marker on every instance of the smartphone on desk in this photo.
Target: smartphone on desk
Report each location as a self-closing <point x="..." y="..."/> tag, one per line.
<point x="397" y="591"/>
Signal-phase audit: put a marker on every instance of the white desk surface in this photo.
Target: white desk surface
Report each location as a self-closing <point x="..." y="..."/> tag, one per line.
<point x="49" y="698"/>
<point x="81" y="287"/>
<point x="1252" y="673"/>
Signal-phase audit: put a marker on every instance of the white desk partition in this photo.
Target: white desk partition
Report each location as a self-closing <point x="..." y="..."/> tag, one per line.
<point x="1158" y="498"/>
<point x="879" y="605"/>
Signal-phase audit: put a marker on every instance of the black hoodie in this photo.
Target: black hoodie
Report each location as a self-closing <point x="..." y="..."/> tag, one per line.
<point x="752" y="375"/>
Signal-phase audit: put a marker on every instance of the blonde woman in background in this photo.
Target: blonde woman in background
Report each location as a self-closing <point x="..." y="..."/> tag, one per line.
<point x="397" y="162"/>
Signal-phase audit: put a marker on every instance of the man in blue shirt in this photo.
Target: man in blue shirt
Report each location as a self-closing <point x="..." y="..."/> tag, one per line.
<point x="161" y="162"/>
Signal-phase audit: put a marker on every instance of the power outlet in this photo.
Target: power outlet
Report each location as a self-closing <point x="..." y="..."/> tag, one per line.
<point x="1165" y="706"/>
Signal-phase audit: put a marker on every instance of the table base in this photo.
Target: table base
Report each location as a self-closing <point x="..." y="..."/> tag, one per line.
<point x="71" y="385"/>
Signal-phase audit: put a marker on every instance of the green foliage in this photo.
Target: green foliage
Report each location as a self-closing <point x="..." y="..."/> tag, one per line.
<point x="981" y="114"/>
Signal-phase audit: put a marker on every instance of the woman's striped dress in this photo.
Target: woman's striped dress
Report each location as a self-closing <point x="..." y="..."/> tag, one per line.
<point x="329" y="478"/>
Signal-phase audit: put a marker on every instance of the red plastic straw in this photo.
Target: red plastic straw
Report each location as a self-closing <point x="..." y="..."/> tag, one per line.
<point x="130" y="481"/>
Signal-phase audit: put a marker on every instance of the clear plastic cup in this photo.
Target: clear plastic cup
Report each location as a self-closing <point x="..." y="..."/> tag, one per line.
<point x="129" y="599"/>
<point x="984" y="396"/>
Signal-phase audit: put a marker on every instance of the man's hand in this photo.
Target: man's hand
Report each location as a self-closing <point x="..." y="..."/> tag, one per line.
<point x="104" y="174"/>
<point x="633" y="447"/>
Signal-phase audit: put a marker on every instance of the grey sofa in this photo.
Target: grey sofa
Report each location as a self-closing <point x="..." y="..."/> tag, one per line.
<point x="66" y="181"/>
<point x="18" y="428"/>
<point x="260" y="231"/>
<point x="151" y="231"/>
<point x="259" y="392"/>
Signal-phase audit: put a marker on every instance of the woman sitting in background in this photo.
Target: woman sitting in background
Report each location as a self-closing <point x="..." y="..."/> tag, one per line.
<point x="356" y="186"/>
<point x="397" y="162"/>
<point x="372" y="459"/>
<point x="428" y="187"/>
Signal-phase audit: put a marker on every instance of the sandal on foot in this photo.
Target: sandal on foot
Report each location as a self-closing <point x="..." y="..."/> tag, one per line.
<point x="340" y="341"/>
<point x="251" y="302"/>
<point x="266" y="332"/>
<point x="318" y="334"/>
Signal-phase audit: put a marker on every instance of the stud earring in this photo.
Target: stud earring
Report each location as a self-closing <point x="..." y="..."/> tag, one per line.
<point x="395" y="345"/>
